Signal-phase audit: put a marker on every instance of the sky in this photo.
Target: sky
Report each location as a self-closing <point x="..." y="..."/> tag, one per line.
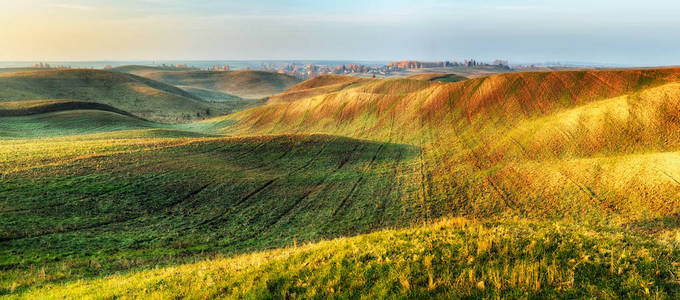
<point x="622" y="32"/>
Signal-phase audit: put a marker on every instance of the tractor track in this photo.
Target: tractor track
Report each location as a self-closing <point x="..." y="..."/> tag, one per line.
<point x="287" y="211"/>
<point x="359" y="181"/>
<point x="55" y="205"/>
<point x="119" y="171"/>
<point x="111" y="222"/>
<point x="244" y="199"/>
<point x="315" y="189"/>
<point x="382" y="208"/>
<point x="94" y="196"/>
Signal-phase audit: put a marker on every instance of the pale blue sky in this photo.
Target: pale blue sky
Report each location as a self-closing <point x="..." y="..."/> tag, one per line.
<point x="619" y="32"/>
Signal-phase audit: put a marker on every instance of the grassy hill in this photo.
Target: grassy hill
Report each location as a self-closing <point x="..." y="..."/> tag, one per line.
<point x="243" y="84"/>
<point x="139" y="96"/>
<point x="565" y="185"/>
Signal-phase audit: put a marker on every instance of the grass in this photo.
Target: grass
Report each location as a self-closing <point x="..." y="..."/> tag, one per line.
<point x="564" y="185"/>
<point x="456" y="258"/>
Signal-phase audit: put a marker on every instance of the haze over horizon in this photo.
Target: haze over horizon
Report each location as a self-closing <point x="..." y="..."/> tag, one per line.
<point x="610" y="32"/>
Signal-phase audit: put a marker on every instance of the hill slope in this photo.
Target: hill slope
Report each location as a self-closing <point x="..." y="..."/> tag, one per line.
<point x="139" y="96"/>
<point x="243" y="84"/>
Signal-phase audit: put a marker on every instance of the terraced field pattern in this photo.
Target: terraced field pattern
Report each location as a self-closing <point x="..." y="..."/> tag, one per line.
<point x="519" y="185"/>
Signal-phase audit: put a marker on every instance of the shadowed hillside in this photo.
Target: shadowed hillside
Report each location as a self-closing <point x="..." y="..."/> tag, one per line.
<point x="139" y="96"/>
<point x="243" y="84"/>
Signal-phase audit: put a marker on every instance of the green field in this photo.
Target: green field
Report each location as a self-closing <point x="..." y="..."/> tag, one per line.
<point x="522" y="185"/>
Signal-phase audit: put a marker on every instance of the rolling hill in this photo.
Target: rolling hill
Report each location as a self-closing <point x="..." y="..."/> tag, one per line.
<point x="139" y="96"/>
<point x="520" y="185"/>
<point x="244" y="84"/>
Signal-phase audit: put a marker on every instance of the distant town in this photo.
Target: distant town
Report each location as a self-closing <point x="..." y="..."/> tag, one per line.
<point x="300" y="70"/>
<point x="306" y="71"/>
